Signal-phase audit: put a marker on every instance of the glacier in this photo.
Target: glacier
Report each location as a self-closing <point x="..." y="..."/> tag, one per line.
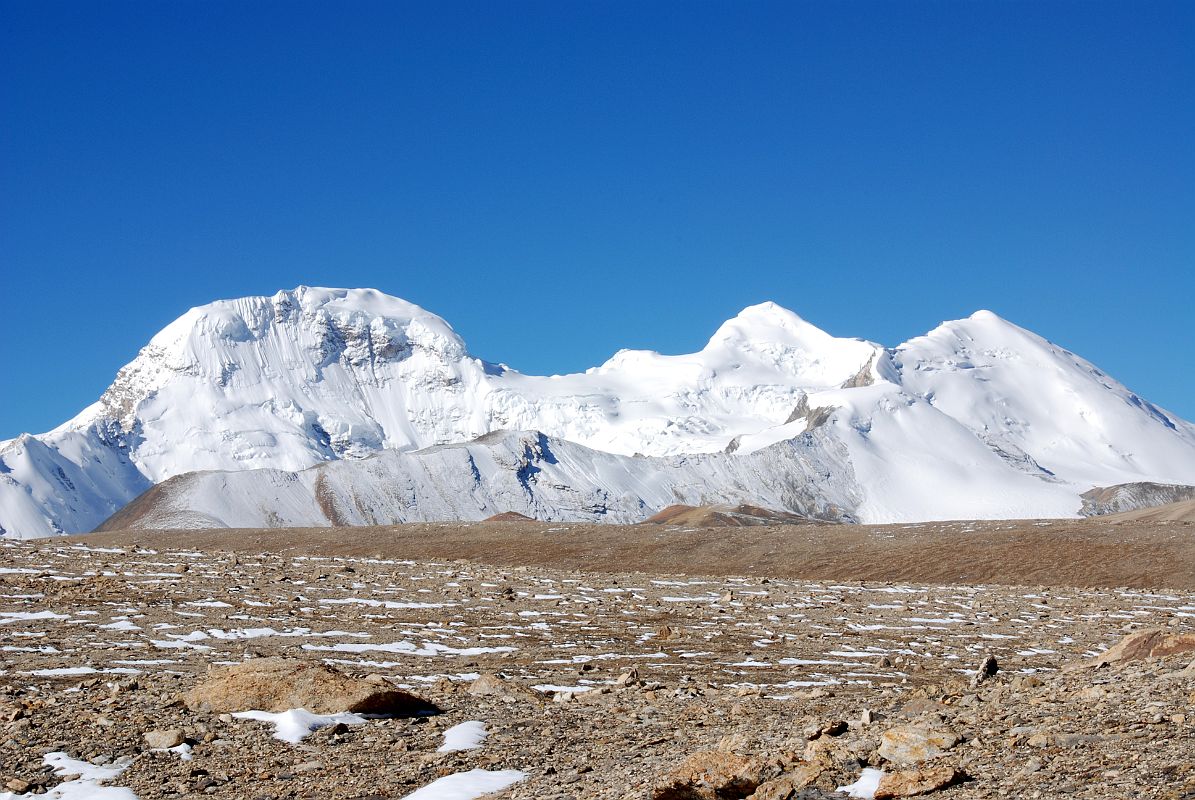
<point x="358" y="391"/>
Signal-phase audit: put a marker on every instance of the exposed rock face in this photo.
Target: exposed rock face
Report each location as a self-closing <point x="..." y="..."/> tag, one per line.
<point x="1150" y="643"/>
<point x="977" y="419"/>
<point x="1132" y="496"/>
<point x="526" y="472"/>
<point x="280" y="684"/>
<point x="912" y="744"/>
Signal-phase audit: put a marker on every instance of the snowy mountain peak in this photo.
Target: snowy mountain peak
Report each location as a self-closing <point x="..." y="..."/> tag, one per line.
<point x="767" y="322"/>
<point x="330" y="313"/>
<point x="979" y="417"/>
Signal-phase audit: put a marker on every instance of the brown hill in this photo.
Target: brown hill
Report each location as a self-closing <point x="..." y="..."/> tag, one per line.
<point x="1183" y="511"/>
<point x="509" y="516"/>
<point x="721" y="516"/>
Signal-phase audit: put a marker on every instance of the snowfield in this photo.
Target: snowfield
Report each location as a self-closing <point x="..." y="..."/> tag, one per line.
<point x="976" y="419"/>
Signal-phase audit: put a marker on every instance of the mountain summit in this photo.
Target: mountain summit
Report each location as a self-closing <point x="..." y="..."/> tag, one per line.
<point x="977" y="418"/>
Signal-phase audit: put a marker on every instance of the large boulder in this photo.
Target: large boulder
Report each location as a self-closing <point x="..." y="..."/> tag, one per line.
<point x="916" y="782"/>
<point x="280" y="684"/>
<point x="716" y="775"/>
<point x="1147" y="643"/>
<point x="789" y="785"/>
<point x="911" y="744"/>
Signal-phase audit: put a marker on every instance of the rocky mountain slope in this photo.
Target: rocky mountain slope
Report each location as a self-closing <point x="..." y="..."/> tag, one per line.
<point x="978" y="418"/>
<point x="1128" y="497"/>
<point x="524" y="472"/>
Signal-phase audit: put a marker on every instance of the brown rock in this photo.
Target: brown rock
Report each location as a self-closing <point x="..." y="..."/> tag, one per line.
<point x="164" y="739"/>
<point x="918" y="706"/>
<point x="1149" y="643"/>
<point x="715" y="775"/>
<point x="279" y="684"/>
<point x="488" y="684"/>
<point x="667" y="633"/>
<point x="914" y="782"/>
<point x="786" y="786"/>
<point x="508" y="516"/>
<point x="987" y="669"/>
<point x="17" y="786"/>
<point x="910" y="744"/>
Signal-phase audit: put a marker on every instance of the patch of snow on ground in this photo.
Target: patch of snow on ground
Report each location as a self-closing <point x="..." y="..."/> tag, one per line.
<point x="865" y="787"/>
<point x="548" y="688"/>
<point x="61" y="671"/>
<point x="183" y="751"/>
<point x="467" y="785"/>
<point x="466" y="736"/>
<point x="87" y="785"/>
<point x="428" y="649"/>
<point x="291" y="726"/>
<point x="12" y="616"/>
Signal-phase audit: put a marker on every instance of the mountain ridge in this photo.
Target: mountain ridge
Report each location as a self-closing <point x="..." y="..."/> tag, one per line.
<point x="314" y="375"/>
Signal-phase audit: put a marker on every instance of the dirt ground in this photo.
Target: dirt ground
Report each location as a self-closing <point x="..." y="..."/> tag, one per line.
<point x="1080" y="553"/>
<point x="610" y="656"/>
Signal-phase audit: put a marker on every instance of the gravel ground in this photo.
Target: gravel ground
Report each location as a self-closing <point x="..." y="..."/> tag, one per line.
<point x="600" y="681"/>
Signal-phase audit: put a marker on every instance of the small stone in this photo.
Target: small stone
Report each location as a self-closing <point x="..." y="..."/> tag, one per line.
<point x="733" y="743"/>
<point x="17" y="786"/>
<point x="666" y="633"/>
<point x="987" y="669"/>
<point x="869" y="717"/>
<point x="164" y="739"/>
<point x="629" y="678"/>
<point x="488" y="684"/>
<point x="835" y="728"/>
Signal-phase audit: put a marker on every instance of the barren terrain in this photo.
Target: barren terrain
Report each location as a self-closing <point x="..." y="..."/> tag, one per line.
<point x="599" y="659"/>
<point x="1090" y="552"/>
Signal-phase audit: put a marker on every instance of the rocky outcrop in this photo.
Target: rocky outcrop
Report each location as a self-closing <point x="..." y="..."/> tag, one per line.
<point x="281" y="684"/>
<point x="912" y="744"/>
<point x="912" y="783"/>
<point x="1149" y="643"/>
<point x="1133" y="496"/>
<point x="715" y="775"/>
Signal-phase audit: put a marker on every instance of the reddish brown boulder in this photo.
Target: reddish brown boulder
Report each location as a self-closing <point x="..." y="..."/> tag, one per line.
<point x="910" y="744"/>
<point x="788" y="785"/>
<point x="716" y="775"/>
<point x="280" y="684"/>
<point x="916" y="782"/>
<point x="1148" y="643"/>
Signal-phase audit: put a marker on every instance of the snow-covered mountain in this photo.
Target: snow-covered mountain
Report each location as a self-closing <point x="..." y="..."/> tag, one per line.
<point x="978" y="418"/>
<point x="522" y="471"/>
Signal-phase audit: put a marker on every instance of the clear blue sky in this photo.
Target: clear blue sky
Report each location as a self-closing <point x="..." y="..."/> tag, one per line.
<point x="562" y="179"/>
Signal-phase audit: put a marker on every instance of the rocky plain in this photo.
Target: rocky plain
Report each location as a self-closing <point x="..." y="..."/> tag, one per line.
<point x="767" y="670"/>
